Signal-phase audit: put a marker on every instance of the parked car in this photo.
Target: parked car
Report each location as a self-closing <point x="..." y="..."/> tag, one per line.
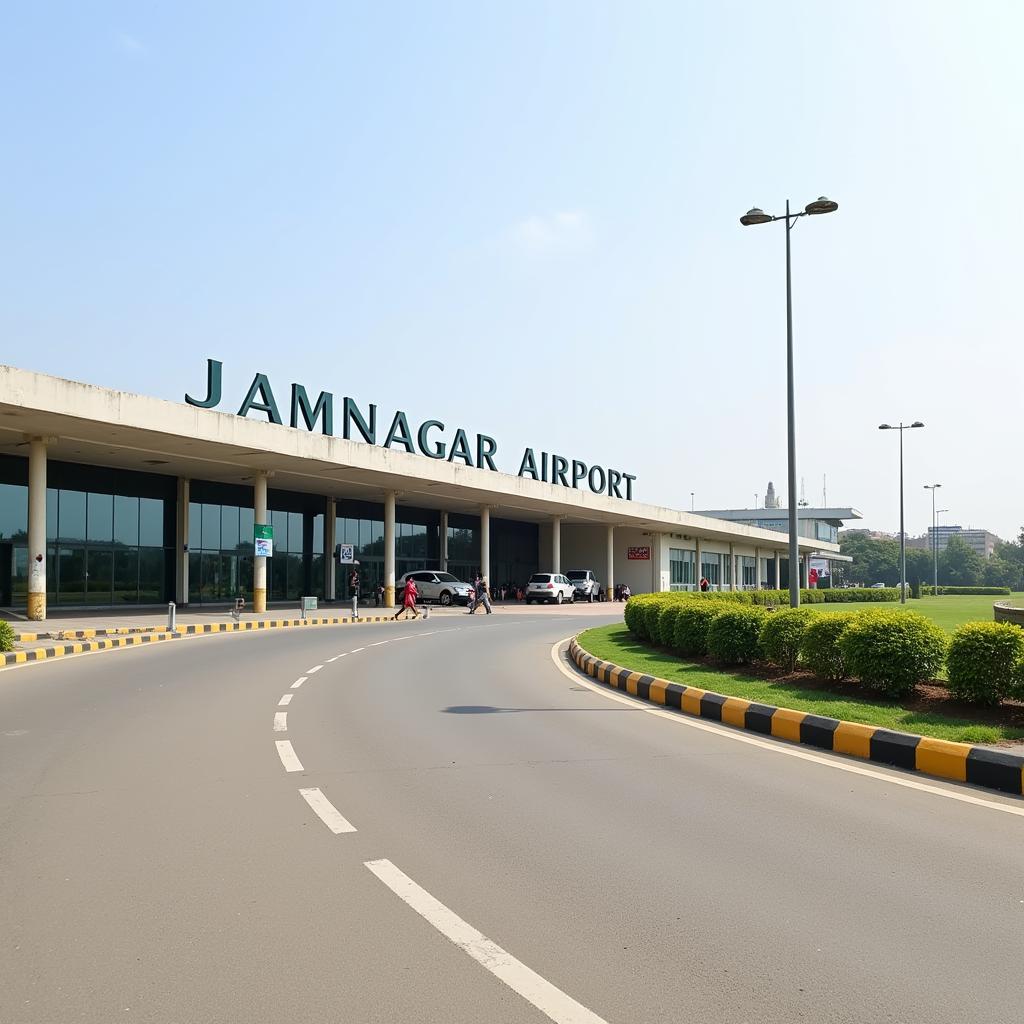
<point x="585" y="582"/>
<point x="877" y="586"/>
<point x="550" y="587"/>
<point x="442" y="587"/>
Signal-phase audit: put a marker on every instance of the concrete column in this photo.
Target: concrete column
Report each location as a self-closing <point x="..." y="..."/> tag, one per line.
<point x="389" y="549"/>
<point x="700" y="557"/>
<point x="805" y="572"/>
<point x="778" y="570"/>
<point x="610" y="573"/>
<point x="757" y="568"/>
<point x="330" y="562"/>
<point x="556" y="544"/>
<point x="444" y="542"/>
<point x="37" y="528"/>
<point x="181" y="520"/>
<point x="485" y="542"/>
<point x="732" y="568"/>
<point x="259" y="573"/>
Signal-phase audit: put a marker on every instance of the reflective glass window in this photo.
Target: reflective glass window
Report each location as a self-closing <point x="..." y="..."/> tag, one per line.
<point x="211" y="527"/>
<point x="195" y="528"/>
<point x="99" y="575"/>
<point x="100" y="518"/>
<point x="126" y="575"/>
<point x="246" y="535"/>
<point x="51" y="512"/>
<point x="295" y="532"/>
<point x="151" y="573"/>
<point x="126" y="520"/>
<point x="318" y="533"/>
<point x="71" y="517"/>
<point x="151" y="523"/>
<point x="14" y="511"/>
<point x="229" y="527"/>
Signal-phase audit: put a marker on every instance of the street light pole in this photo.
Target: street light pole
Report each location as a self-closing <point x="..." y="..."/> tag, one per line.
<point x="935" y="539"/>
<point x="903" y="532"/>
<point x="758" y="216"/>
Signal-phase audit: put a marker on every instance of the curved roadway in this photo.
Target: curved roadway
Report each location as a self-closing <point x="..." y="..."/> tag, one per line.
<point x="531" y="843"/>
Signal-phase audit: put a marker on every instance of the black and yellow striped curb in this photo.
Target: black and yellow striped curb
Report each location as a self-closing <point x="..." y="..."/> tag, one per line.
<point x="85" y="634"/>
<point x="194" y="629"/>
<point x="944" y="759"/>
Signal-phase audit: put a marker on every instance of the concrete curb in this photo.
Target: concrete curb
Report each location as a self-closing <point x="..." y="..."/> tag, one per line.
<point x="132" y="639"/>
<point x="961" y="762"/>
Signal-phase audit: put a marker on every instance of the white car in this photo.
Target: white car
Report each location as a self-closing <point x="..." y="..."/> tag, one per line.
<point x="550" y="587"/>
<point x="442" y="587"/>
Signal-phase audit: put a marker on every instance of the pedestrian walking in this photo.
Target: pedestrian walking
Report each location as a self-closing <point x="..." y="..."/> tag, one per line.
<point x="480" y="596"/>
<point x="409" y="596"/>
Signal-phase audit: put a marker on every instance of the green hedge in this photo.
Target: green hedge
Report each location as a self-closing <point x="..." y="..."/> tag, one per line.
<point x="819" y="645"/>
<point x="6" y="636"/>
<point x="692" y="624"/>
<point x="782" y="634"/>
<point x="985" y="662"/>
<point x="666" y="625"/>
<point x="893" y="651"/>
<point x="734" y="636"/>
<point x="964" y="591"/>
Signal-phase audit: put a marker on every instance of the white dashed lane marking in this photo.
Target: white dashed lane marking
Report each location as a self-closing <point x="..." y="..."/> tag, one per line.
<point x="315" y="668"/>
<point x="327" y="812"/>
<point x="551" y="1001"/>
<point x="285" y="700"/>
<point x="286" y="752"/>
<point x="281" y="721"/>
<point x="298" y="682"/>
<point x="357" y="650"/>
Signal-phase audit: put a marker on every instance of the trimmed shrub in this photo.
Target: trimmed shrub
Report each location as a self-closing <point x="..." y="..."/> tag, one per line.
<point x="667" y="615"/>
<point x="692" y="623"/>
<point x="893" y="651"/>
<point x="819" y="644"/>
<point x="984" y="661"/>
<point x="6" y="636"/>
<point x="734" y="636"/>
<point x="781" y="635"/>
<point x="977" y="591"/>
<point x="867" y="595"/>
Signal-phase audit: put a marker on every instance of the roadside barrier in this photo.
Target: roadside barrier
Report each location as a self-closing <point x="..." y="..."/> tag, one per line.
<point x="961" y="762"/>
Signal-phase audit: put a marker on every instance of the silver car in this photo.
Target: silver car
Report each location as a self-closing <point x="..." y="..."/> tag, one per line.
<point x="585" y="582"/>
<point x="549" y="587"/>
<point x="442" y="587"/>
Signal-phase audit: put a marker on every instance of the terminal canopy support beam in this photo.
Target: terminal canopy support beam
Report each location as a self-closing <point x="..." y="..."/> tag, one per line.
<point x="259" y="505"/>
<point x="609" y="587"/>
<point x="37" y="527"/>
<point x="757" y="569"/>
<point x="330" y="563"/>
<point x="778" y="570"/>
<point x="389" y="549"/>
<point x="485" y="542"/>
<point x="444" y="542"/>
<point x="181" y="543"/>
<point x="732" y="567"/>
<point x="556" y="544"/>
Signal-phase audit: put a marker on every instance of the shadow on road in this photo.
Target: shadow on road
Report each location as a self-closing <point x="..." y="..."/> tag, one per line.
<point x="486" y="709"/>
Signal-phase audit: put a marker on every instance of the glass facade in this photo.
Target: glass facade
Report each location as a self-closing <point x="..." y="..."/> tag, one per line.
<point x="711" y="568"/>
<point x="104" y="546"/>
<point x="748" y="572"/>
<point x="682" y="566"/>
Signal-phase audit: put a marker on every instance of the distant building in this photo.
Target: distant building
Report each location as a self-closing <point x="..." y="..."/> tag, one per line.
<point x="821" y="524"/>
<point x="981" y="541"/>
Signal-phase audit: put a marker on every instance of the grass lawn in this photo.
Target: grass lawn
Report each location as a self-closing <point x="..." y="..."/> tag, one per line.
<point x="616" y="644"/>
<point x="947" y="612"/>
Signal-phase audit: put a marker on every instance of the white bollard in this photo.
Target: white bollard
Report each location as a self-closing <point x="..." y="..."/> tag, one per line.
<point x="172" y="610"/>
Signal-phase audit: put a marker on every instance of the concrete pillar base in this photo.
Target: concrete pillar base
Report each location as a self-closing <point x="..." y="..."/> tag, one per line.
<point x="389" y="597"/>
<point x="37" y="607"/>
<point x="259" y="601"/>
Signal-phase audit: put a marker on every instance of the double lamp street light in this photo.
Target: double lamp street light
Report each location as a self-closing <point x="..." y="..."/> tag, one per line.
<point x="757" y="216"/>
<point x="903" y="532"/>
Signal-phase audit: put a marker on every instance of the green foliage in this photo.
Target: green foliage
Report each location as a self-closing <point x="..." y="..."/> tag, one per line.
<point x="985" y="661"/>
<point x="6" y="636"/>
<point x="692" y="623"/>
<point x="666" y="622"/>
<point x="965" y="591"/>
<point x="819" y="645"/>
<point x="959" y="565"/>
<point x="782" y="633"/>
<point x="734" y="636"/>
<point x="892" y="651"/>
<point x="875" y="559"/>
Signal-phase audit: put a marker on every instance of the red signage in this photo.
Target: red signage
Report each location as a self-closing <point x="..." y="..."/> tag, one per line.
<point x="638" y="554"/>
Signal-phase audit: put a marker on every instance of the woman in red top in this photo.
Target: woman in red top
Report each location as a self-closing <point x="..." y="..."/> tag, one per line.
<point x="409" y="599"/>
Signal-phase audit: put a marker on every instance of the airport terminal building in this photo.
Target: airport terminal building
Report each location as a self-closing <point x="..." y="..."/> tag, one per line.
<point x="115" y="499"/>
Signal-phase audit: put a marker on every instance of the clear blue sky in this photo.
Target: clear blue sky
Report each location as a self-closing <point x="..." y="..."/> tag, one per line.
<point x="522" y="218"/>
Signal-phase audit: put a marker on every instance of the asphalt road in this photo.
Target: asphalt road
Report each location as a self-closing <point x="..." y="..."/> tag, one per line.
<point x="158" y="863"/>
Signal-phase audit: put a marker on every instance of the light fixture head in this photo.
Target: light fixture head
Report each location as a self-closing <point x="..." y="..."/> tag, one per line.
<point x="917" y="423"/>
<point x="821" y="205"/>
<point x="755" y="216"/>
<point x="885" y="426"/>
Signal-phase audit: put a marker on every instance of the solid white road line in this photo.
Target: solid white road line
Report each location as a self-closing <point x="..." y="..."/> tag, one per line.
<point x="285" y="700"/>
<point x="551" y="1001"/>
<point x="298" y="682"/>
<point x="330" y="660"/>
<point x="342" y="655"/>
<point x="315" y="668"/>
<point x="356" y="650"/>
<point x="327" y="812"/>
<point x="379" y="643"/>
<point x="281" y="721"/>
<point x="286" y="752"/>
<point x="777" y="747"/>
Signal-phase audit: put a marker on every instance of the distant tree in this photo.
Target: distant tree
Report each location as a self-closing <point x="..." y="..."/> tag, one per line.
<point x="920" y="566"/>
<point x="998" y="572"/>
<point x="875" y="560"/>
<point x="960" y="566"/>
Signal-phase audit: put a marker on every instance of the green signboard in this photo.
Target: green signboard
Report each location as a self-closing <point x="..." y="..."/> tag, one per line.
<point x="263" y="534"/>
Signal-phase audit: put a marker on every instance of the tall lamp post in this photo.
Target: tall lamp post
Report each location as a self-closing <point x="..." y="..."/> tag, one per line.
<point x="935" y="538"/>
<point x="938" y="512"/>
<point x="903" y="532"/>
<point x="757" y="216"/>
